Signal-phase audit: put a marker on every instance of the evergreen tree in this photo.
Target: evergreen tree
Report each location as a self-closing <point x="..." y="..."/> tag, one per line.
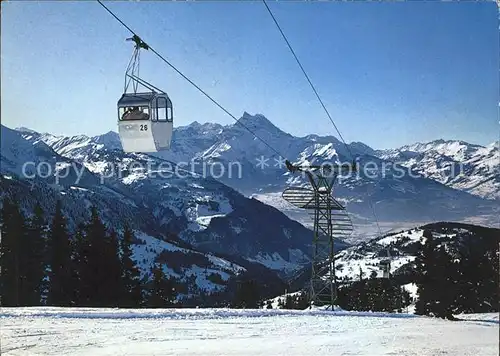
<point x="379" y="294"/>
<point x="132" y="293"/>
<point x="361" y="273"/>
<point x="445" y="289"/>
<point x="13" y="229"/>
<point x="114" y="283"/>
<point x="32" y="264"/>
<point x="162" y="293"/>
<point x="458" y="277"/>
<point x="289" y="302"/>
<point x="95" y="273"/>
<point x="247" y="294"/>
<point x="406" y="298"/>
<point x="477" y="278"/>
<point x="426" y="268"/>
<point x="60" y="289"/>
<point x="143" y="282"/>
<point x="79" y="262"/>
<point x="303" y="301"/>
<point x="437" y="285"/>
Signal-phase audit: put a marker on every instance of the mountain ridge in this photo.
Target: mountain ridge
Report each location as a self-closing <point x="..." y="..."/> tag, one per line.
<point x="210" y="143"/>
<point x="214" y="125"/>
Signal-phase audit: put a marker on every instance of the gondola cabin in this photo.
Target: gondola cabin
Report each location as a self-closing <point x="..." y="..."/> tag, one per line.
<point x="145" y="121"/>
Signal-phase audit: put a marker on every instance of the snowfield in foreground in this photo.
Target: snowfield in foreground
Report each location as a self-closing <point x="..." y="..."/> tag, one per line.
<point x="83" y="331"/>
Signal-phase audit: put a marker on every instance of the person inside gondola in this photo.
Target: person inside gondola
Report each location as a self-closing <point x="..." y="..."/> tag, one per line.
<point x="129" y="113"/>
<point x="134" y="113"/>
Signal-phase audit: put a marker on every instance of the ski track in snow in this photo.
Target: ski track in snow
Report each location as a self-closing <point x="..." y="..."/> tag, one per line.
<point x="85" y="331"/>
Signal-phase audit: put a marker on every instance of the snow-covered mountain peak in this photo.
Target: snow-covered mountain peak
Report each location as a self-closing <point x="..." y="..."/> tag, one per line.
<point x="78" y="147"/>
<point x="25" y="129"/>
<point x="458" y="164"/>
<point x="111" y="139"/>
<point x="250" y="137"/>
<point x="452" y="148"/>
<point x="361" y="148"/>
<point x="196" y="129"/>
<point x="15" y="150"/>
<point x="494" y="145"/>
<point x="256" y="122"/>
<point x="194" y="124"/>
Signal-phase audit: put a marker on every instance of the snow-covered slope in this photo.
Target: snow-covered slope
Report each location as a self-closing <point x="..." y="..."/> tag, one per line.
<point x="203" y="268"/>
<point x="472" y="247"/>
<point x="364" y="259"/>
<point x="85" y="331"/>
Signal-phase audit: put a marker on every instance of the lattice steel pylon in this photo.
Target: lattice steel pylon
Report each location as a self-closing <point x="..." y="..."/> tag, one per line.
<point x="330" y="221"/>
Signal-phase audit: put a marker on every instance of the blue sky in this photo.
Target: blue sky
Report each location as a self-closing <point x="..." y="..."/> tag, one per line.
<point x="390" y="73"/>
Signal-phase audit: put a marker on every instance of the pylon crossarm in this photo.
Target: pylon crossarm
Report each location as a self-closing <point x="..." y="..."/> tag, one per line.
<point x="139" y="43"/>
<point x="338" y="168"/>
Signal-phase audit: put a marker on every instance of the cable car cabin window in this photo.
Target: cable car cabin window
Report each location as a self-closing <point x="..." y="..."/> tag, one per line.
<point x="162" y="114"/>
<point x="161" y="110"/>
<point x="121" y="112"/>
<point x="135" y="113"/>
<point x="170" y="116"/>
